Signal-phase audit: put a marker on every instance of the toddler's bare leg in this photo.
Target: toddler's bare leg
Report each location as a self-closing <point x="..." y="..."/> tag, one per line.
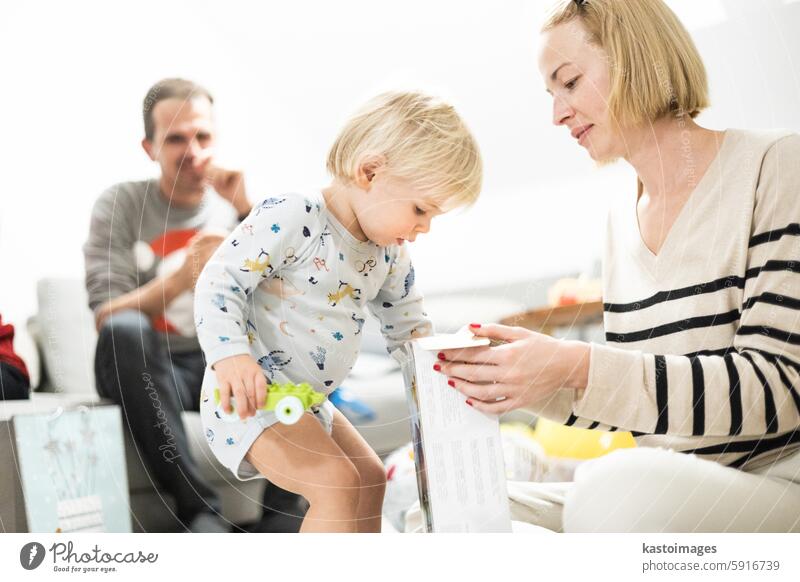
<point x="371" y="472"/>
<point x="304" y="459"/>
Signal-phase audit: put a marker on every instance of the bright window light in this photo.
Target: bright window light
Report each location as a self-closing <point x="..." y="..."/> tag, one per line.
<point x="695" y="15"/>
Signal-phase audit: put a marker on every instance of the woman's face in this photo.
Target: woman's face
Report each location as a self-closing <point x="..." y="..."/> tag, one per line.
<point x="576" y="74"/>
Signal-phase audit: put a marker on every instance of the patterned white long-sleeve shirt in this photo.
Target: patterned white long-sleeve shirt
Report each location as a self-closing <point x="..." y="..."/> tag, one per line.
<point x="291" y="286"/>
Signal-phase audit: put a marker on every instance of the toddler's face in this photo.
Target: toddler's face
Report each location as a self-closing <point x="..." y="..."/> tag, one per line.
<point x="392" y="211"/>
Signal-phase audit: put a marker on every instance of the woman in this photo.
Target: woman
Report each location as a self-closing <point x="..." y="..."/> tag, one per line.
<point x="701" y="292"/>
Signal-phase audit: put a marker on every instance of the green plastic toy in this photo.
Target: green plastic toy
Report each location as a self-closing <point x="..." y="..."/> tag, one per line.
<point x="289" y="401"/>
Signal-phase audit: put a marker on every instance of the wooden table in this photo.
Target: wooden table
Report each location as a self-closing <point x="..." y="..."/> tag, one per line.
<point x="546" y="319"/>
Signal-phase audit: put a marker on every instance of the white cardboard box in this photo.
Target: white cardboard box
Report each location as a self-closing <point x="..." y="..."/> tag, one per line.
<point x="457" y="449"/>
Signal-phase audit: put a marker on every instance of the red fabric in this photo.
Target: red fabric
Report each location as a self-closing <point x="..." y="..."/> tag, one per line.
<point x="164" y="245"/>
<point x="172" y="241"/>
<point x="7" y="354"/>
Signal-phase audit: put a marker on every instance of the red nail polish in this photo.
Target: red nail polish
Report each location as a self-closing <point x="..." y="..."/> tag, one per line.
<point x="437" y="367"/>
<point x="469" y="402"/>
<point x="451" y="383"/>
<point x="440" y="355"/>
<point x="474" y="324"/>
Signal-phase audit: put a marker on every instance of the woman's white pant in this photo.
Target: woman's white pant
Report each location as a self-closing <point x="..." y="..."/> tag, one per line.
<point x="658" y="490"/>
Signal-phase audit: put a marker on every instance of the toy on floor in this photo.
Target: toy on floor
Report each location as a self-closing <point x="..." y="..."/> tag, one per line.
<point x="551" y="451"/>
<point x="289" y="401"/>
<point x="571" y="442"/>
<point x="355" y="410"/>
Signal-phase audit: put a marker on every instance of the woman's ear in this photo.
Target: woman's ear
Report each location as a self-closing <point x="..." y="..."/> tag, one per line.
<point x="368" y="169"/>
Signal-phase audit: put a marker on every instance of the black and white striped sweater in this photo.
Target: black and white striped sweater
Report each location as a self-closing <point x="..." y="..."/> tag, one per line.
<point x="702" y="349"/>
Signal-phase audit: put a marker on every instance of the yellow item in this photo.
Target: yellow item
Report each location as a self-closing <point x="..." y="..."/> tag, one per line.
<point x="518" y="428"/>
<point x="570" y="442"/>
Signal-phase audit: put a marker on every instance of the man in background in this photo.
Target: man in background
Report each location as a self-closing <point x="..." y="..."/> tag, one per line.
<point x="148" y="243"/>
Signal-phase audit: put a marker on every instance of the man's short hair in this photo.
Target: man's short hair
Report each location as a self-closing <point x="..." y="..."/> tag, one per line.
<point x="169" y="89"/>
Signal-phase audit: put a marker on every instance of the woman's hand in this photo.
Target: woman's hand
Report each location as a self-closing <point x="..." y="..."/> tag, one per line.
<point x="529" y="367"/>
<point x="242" y="376"/>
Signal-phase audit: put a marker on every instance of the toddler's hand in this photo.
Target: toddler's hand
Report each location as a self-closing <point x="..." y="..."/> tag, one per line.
<point x="241" y="376"/>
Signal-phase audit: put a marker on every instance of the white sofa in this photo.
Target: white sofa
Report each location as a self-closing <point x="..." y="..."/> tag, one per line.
<point x="65" y="339"/>
<point x="61" y="361"/>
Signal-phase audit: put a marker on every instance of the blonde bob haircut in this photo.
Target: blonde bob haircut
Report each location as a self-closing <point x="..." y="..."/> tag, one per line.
<point x="654" y="66"/>
<point x="418" y="138"/>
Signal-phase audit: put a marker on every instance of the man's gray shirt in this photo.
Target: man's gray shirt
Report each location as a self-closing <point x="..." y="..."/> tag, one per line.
<point x="135" y="235"/>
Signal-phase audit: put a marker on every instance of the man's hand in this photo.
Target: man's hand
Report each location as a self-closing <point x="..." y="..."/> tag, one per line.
<point x="200" y="248"/>
<point x="230" y="185"/>
<point x="242" y="377"/>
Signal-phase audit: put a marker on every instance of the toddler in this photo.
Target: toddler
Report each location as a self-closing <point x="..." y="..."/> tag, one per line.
<point x="284" y="299"/>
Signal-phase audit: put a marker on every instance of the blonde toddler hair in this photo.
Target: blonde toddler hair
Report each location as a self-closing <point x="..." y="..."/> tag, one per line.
<point x="420" y="138"/>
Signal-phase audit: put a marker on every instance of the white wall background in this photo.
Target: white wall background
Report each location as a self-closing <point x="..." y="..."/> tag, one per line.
<point x="285" y="75"/>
